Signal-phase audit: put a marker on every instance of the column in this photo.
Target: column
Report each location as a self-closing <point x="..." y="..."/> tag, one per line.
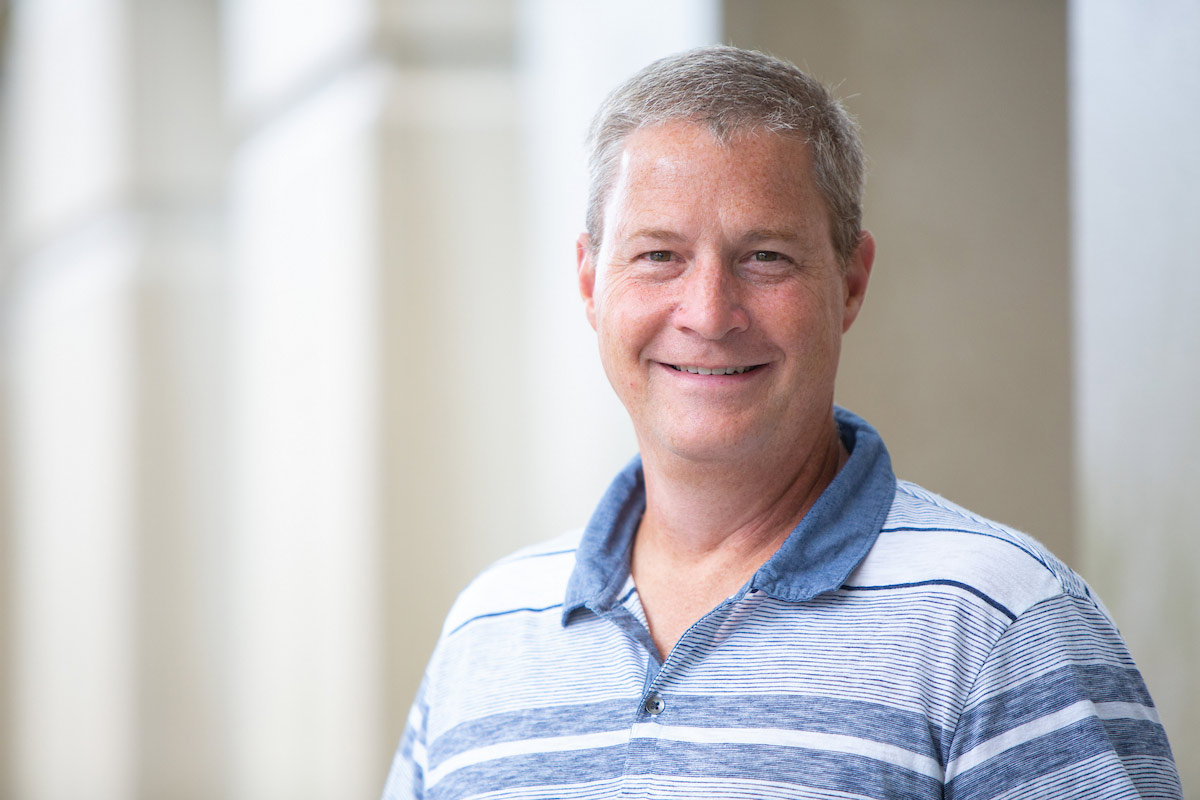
<point x="113" y="242"/>
<point x="572" y="55"/>
<point x="305" y="95"/>
<point x="1135" y="104"/>
<point x="375" y="282"/>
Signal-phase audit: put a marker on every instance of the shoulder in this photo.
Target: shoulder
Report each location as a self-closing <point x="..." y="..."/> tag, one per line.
<point x="1049" y="696"/>
<point x="927" y="540"/>
<point x="532" y="579"/>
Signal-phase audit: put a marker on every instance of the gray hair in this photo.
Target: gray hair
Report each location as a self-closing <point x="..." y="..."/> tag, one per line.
<point x="731" y="90"/>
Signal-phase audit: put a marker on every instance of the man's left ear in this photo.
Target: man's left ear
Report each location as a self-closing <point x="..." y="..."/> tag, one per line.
<point x="857" y="274"/>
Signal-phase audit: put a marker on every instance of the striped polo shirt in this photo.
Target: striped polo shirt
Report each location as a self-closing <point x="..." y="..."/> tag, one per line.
<point x="895" y="646"/>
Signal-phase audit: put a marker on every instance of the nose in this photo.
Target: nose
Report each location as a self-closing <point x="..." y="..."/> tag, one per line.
<point x="710" y="302"/>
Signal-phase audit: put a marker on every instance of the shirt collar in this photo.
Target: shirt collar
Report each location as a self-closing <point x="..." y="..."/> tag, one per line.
<point x="817" y="557"/>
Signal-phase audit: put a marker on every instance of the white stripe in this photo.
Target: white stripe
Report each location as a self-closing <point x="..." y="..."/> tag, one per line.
<point x="811" y="740"/>
<point x="989" y="565"/>
<point x="522" y="747"/>
<point x="1127" y="711"/>
<point x="416" y="717"/>
<point x="1043" y="725"/>
<point x="525" y="583"/>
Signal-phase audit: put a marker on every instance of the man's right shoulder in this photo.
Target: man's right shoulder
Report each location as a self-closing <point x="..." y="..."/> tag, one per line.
<point x="533" y="579"/>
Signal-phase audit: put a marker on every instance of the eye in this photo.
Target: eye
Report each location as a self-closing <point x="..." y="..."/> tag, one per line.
<point x="767" y="264"/>
<point x="659" y="256"/>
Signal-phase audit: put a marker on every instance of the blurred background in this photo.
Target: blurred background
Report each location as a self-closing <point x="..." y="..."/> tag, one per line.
<point x="290" y="345"/>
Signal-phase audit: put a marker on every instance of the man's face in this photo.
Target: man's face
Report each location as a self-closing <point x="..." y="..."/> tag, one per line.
<point x="717" y="297"/>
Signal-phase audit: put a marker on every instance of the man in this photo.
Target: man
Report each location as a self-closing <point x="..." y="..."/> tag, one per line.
<point x="758" y="608"/>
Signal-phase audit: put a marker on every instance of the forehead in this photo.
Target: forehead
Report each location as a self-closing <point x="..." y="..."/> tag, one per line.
<point x="680" y="171"/>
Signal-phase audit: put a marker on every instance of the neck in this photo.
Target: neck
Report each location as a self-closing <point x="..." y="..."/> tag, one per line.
<point x="737" y="513"/>
<point x="708" y="528"/>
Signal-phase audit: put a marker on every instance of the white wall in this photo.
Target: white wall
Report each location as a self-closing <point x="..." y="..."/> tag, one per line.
<point x="1135" y="105"/>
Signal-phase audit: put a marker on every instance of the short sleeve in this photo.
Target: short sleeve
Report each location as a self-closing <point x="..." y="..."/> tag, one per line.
<point x="1059" y="710"/>
<point x="406" y="778"/>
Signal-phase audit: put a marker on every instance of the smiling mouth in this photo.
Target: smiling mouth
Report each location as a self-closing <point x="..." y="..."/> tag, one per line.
<point x="712" y="370"/>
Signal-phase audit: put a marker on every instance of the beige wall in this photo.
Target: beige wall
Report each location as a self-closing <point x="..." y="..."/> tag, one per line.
<point x="961" y="357"/>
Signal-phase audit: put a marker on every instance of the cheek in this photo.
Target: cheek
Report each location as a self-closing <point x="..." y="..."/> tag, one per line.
<point x="809" y="320"/>
<point x="629" y="323"/>
<point x="627" y="309"/>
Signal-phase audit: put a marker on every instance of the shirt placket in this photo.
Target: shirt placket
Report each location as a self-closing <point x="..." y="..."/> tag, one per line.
<point x="655" y="708"/>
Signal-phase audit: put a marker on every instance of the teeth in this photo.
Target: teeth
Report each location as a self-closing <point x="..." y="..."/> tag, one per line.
<point x="707" y="371"/>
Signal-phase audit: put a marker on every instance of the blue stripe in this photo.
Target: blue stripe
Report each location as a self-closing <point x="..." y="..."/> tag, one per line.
<point x="941" y="582"/>
<point x="1137" y="737"/>
<point x="504" y="613"/>
<point x="1050" y="692"/>
<point x="872" y="721"/>
<point x="537" y="769"/>
<point x="534" y="723"/>
<point x="812" y="769"/>
<point x="1044" y="755"/>
<point x="528" y="556"/>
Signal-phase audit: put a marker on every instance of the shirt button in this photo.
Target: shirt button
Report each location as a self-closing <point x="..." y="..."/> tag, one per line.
<point x="654" y="705"/>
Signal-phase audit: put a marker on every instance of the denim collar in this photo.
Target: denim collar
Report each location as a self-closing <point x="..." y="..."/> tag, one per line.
<point x="817" y="557"/>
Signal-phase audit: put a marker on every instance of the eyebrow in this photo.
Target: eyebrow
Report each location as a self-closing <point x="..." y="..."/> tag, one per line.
<point x="758" y="235"/>
<point x="659" y="234"/>
<point x="771" y="234"/>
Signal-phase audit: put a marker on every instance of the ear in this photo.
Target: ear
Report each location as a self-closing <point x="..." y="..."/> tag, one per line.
<point x="587" y="276"/>
<point x="858" y="273"/>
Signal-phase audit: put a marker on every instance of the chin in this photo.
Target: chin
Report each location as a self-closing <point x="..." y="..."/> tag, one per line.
<point x="709" y="444"/>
